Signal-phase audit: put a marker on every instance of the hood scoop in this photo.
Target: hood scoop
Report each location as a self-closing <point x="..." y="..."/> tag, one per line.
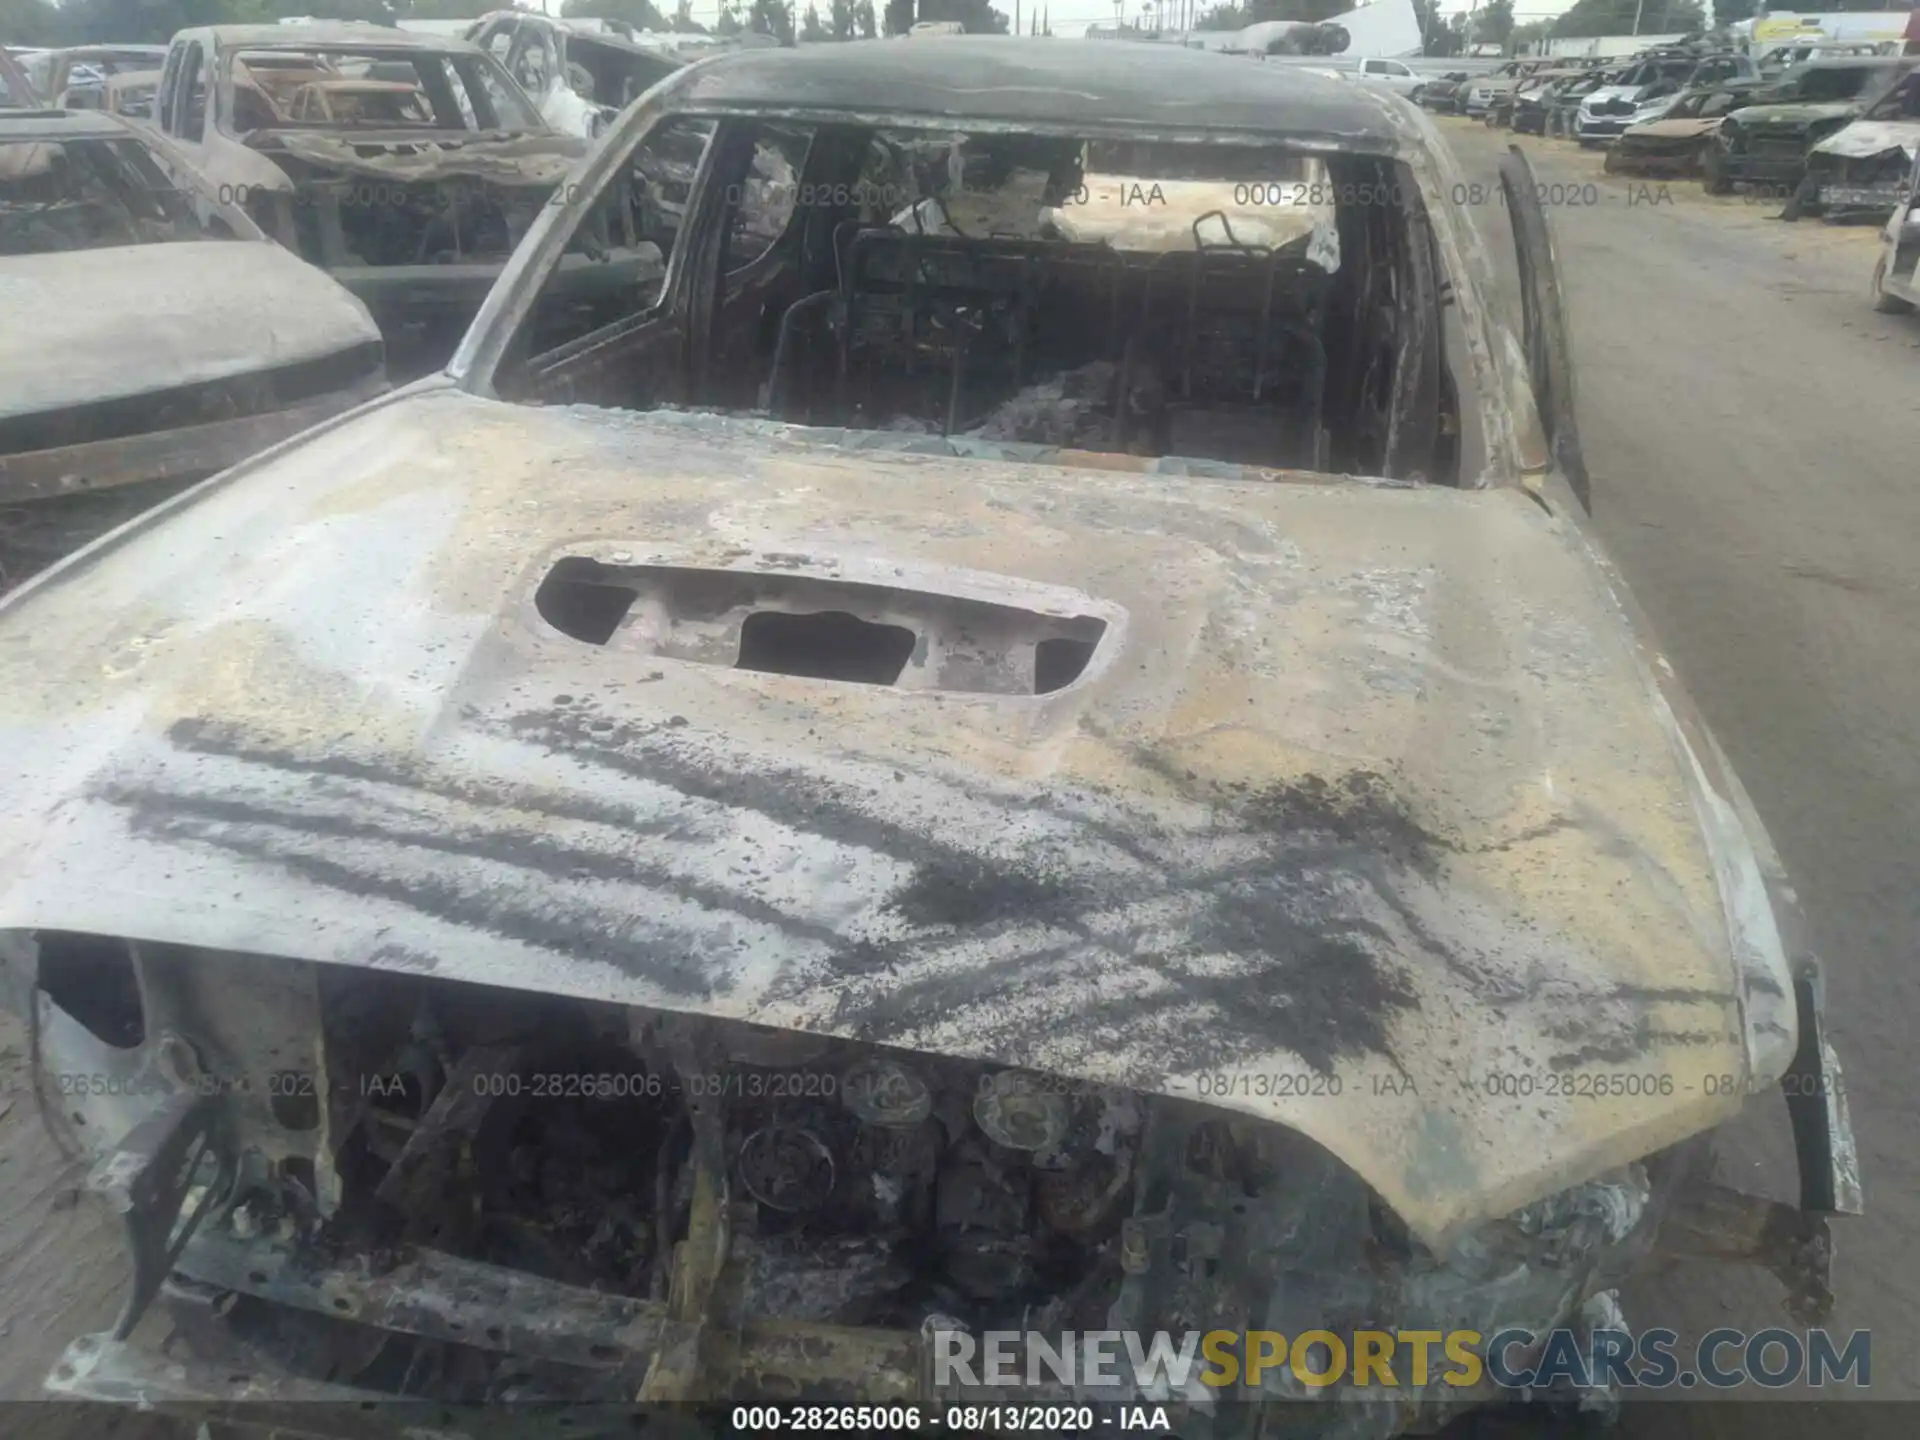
<point x="826" y="628"/>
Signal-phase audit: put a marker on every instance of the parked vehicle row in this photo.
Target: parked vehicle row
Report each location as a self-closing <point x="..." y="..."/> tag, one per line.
<point x="1648" y="87"/>
<point x="1837" y="135"/>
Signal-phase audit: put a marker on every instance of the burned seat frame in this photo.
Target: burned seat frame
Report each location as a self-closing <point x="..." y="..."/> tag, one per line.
<point x="905" y="302"/>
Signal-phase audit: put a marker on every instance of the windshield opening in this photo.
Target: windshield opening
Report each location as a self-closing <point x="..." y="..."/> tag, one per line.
<point x="89" y="194"/>
<point x="344" y="88"/>
<point x="1901" y="103"/>
<point x="1243" y="304"/>
<point x="1838" y="83"/>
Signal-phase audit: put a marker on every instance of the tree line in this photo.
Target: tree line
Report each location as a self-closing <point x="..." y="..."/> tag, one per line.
<point x="82" y="22"/>
<point x="92" y="22"/>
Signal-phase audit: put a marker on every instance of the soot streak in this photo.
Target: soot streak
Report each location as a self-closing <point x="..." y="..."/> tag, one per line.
<point x="1272" y="951"/>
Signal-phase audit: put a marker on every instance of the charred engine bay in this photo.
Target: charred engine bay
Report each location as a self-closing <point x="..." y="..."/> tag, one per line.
<point x="478" y="1195"/>
<point x="868" y="1187"/>
<point x="881" y="1184"/>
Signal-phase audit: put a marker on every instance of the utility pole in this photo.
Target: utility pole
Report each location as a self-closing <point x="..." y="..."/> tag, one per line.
<point x="1638" y="7"/>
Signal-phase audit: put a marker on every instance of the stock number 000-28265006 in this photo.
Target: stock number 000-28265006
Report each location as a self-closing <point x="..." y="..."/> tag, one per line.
<point x="891" y="1419"/>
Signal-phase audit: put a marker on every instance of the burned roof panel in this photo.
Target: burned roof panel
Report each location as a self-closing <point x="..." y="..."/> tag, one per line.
<point x="1052" y="83"/>
<point x="324" y="34"/>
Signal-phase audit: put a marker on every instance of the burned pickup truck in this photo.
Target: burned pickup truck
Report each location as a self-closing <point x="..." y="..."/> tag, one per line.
<point x="1766" y="144"/>
<point x="1679" y="142"/>
<point x="580" y="77"/>
<point x="144" y="341"/>
<point x="407" y="166"/>
<point x="992" y="752"/>
<point x="76" y="78"/>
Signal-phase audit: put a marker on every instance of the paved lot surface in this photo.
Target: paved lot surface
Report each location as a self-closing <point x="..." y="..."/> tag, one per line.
<point x="1754" y="435"/>
<point x="1753" y="430"/>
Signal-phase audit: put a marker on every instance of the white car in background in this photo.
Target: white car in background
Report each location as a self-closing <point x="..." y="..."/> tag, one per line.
<point x="1391" y="75"/>
<point x="1896" y="274"/>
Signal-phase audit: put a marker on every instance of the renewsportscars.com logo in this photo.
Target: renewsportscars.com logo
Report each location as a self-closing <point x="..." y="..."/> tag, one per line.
<point x="1513" y="1359"/>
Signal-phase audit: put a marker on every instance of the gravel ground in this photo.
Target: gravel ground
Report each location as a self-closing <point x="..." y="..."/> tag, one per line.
<point x="1750" y="426"/>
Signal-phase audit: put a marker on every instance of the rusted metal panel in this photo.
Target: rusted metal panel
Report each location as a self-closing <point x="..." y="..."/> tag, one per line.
<point x="516" y="160"/>
<point x="440" y="1297"/>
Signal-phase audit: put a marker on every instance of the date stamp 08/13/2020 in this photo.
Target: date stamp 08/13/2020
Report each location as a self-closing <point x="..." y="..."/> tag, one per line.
<point x="810" y="1084"/>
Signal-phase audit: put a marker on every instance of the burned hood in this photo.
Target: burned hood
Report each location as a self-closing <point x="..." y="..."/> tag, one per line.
<point x="85" y="326"/>
<point x="1362" y="815"/>
<point x="1793" y="117"/>
<point x="511" y="160"/>
<point x="1866" y="138"/>
<point x="1607" y="94"/>
<point x="1689" y="129"/>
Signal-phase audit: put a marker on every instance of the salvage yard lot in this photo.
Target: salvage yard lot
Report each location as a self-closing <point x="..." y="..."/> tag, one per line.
<point x="1749" y="424"/>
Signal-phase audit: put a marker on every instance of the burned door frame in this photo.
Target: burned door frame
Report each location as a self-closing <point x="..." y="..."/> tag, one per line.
<point x="556" y="374"/>
<point x="529" y="27"/>
<point x="738" y="297"/>
<point x="1545" y="337"/>
<point x="185" y="157"/>
<point x="498" y="25"/>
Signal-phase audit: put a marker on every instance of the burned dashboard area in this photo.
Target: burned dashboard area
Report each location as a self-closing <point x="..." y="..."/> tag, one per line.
<point x="1249" y="304"/>
<point x="347" y="1184"/>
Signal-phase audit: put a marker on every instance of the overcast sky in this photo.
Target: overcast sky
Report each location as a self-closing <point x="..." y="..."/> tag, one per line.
<point x="1070" y="17"/>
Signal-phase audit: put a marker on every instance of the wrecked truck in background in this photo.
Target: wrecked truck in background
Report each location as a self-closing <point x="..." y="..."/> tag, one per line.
<point x="411" y="192"/>
<point x="1765" y="144"/>
<point x="1679" y="142"/>
<point x="75" y="78"/>
<point x="1860" y="172"/>
<point x="906" y="779"/>
<point x="144" y="341"/>
<point x="582" y="73"/>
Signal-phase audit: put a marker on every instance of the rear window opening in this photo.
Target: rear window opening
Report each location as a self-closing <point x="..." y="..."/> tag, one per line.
<point x="819" y="629"/>
<point x="1244" y="304"/>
